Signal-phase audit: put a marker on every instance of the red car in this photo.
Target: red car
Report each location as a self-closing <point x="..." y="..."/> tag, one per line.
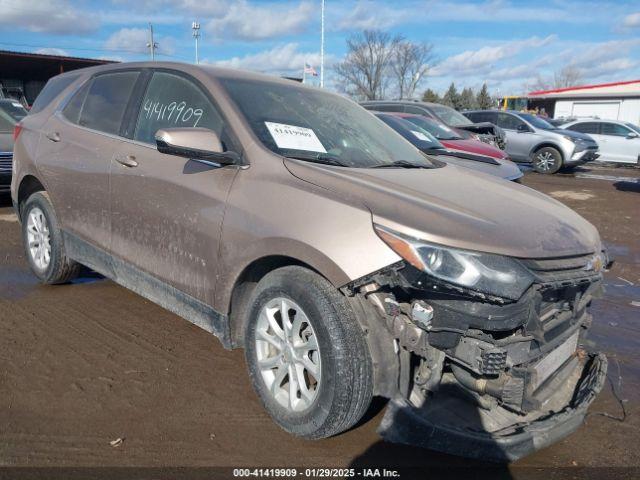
<point x="450" y="137"/>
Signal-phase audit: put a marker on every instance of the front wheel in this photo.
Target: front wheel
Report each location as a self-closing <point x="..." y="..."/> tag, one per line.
<point x="547" y="160"/>
<point x="307" y="355"/>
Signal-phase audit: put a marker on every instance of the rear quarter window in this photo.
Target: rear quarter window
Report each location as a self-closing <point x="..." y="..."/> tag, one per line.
<point x="51" y="90"/>
<point x="585" y="127"/>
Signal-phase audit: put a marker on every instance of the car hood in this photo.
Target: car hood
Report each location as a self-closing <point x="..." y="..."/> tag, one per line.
<point x="474" y="146"/>
<point x="572" y="134"/>
<point x="455" y="207"/>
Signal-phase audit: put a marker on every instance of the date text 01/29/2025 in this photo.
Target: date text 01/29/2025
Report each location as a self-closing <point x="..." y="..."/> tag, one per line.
<point x="316" y="473"/>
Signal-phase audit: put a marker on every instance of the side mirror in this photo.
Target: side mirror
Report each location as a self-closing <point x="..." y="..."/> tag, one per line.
<point x="522" y="128"/>
<point x="194" y="143"/>
<point x="632" y="135"/>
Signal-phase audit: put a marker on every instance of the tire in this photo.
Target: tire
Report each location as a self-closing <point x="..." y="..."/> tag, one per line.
<point x="46" y="255"/>
<point x="343" y="391"/>
<point x="546" y="160"/>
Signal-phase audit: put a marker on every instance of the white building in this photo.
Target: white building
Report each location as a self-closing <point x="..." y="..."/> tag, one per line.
<point x="612" y="101"/>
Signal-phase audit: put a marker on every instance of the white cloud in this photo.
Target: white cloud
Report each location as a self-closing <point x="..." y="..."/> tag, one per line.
<point x="486" y="58"/>
<point x="632" y="20"/>
<point x="47" y="16"/>
<point x="249" y="22"/>
<point x="135" y="40"/>
<point x="368" y="16"/>
<point x="280" y="59"/>
<point x="52" y="51"/>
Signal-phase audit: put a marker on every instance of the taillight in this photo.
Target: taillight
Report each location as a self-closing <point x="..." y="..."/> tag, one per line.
<point x="16" y="131"/>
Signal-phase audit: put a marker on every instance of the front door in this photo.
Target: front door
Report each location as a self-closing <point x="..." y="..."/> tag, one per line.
<point x="518" y="142"/>
<point x="619" y="146"/>
<point x="166" y="210"/>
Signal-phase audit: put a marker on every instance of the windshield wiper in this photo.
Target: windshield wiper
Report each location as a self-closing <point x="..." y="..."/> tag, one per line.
<point x="318" y="158"/>
<point x="401" y="164"/>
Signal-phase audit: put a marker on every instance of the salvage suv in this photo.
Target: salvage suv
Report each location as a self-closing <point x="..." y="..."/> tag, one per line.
<point x="290" y="221"/>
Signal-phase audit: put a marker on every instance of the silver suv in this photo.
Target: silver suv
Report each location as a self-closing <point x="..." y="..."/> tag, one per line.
<point x="531" y="139"/>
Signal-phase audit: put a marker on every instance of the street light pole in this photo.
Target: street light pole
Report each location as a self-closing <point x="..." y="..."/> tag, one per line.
<point x="152" y="45"/>
<point x="195" y="26"/>
<point x="322" y="46"/>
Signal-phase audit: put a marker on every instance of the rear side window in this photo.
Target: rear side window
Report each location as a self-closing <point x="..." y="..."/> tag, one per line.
<point x="105" y="103"/>
<point x="585" y="127"/>
<point x="480" y="117"/>
<point x="51" y="90"/>
<point x="172" y="101"/>
<point x="615" y="130"/>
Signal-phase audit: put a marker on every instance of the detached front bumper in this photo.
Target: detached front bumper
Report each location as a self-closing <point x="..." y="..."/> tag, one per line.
<point x="435" y="428"/>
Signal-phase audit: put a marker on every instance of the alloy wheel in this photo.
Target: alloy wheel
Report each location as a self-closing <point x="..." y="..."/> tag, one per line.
<point x="288" y="354"/>
<point x="38" y="238"/>
<point x="546" y="161"/>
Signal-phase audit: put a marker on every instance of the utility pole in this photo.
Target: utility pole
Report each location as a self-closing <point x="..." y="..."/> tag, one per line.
<point x="195" y="26"/>
<point x="322" y="46"/>
<point x="152" y="45"/>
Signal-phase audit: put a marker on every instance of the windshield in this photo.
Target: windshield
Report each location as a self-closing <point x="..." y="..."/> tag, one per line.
<point x="14" y="109"/>
<point x="306" y="123"/>
<point x="450" y="116"/>
<point x="633" y="127"/>
<point x="418" y="136"/>
<point x="438" y="130"/>
<point x="536" y="121"/>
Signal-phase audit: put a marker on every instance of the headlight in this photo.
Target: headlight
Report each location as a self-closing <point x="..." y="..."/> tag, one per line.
<point x="484" y="272"/>
<point x="571" y="139"/>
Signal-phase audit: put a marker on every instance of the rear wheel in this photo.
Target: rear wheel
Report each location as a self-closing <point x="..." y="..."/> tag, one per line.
<point x="547" y="160"/>
<point x="306" y="354"/>
<point x="43" y="243"/>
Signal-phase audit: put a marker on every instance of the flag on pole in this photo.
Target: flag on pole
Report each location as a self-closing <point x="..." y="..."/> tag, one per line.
<point x="308" y="69"/>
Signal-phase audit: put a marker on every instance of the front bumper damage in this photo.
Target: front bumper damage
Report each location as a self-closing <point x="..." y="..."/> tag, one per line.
<point x="483" y="376"/>
<point x="438" y="429"/>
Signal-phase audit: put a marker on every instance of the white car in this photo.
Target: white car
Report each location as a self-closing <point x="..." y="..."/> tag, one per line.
<point x="618" y="141"/>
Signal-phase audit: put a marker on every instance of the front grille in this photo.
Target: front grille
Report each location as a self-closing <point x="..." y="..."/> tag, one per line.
<point x="554" y="270"/>
<point x="6" y="160"/>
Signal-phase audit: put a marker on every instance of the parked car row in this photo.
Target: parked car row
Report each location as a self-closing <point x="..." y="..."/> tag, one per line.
<point x="290" y="221"/>
<point x="531" y="139"/>
<point x="11" y="112"/>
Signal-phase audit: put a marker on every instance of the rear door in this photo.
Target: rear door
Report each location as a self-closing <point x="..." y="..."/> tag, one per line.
<point x="166" y="210"/>
<point x="76" y="151"/>
<point x="519" y="143"/>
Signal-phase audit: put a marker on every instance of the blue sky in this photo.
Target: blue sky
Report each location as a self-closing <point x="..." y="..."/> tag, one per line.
<point x="504" y="43"/>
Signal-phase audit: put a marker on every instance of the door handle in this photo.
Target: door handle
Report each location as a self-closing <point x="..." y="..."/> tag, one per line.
<point x="53" y="136"/>
<point x="127" y="161"/>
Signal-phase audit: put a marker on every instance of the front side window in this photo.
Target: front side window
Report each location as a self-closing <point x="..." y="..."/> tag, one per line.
<point x="101" y="103"/>
<point x="172" y="101"/>
<point x="585" y="127"/>
<point x="301" y="122"/>
<point x="615" y="130"/>
<point x="536" y="121"/>
<point x="509" y="122"/>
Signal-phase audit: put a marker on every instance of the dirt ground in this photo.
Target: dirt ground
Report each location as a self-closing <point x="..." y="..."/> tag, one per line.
<point x="84" y="364"/>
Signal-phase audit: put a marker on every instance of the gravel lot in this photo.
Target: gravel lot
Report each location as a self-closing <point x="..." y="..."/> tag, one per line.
<point x="84" y="364"/>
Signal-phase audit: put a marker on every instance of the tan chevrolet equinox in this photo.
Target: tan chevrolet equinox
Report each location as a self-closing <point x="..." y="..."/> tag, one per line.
<point x="290" y="221"/>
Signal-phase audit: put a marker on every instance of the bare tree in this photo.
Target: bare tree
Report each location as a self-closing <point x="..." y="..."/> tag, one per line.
<point x="569" y="76"/>
<point x="364" y="71"/>
<point x="410" y="64"/>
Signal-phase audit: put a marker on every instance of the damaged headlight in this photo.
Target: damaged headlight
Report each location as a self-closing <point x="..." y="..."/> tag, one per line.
<point x="487" y="273"/>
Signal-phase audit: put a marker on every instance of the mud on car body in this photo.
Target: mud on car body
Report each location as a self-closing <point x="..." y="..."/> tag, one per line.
<point x="289" y="221"/>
